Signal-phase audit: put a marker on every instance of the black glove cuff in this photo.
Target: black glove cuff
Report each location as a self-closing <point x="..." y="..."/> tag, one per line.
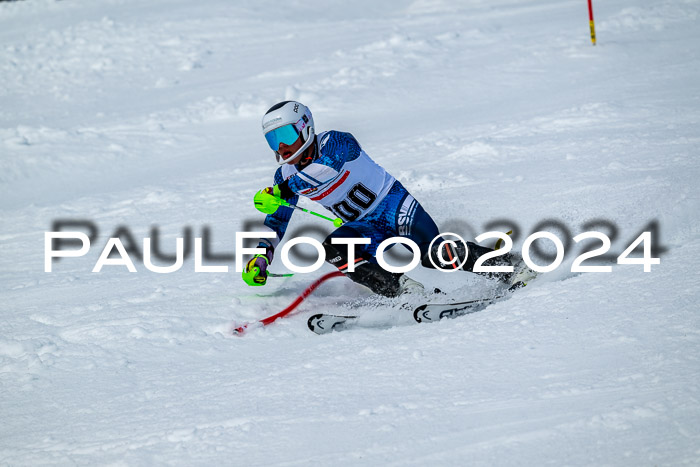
<point x="285" y="191"/>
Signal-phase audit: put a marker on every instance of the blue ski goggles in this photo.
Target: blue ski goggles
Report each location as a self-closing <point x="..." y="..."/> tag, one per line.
<point x="287" y="134"/>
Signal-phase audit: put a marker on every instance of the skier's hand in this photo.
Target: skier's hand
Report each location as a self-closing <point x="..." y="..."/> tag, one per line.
<point x="255" y="272"/>
<point x="268" y="199"/>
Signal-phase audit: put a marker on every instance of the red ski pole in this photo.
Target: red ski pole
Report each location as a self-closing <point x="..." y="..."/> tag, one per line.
<point x="271" y="319"/>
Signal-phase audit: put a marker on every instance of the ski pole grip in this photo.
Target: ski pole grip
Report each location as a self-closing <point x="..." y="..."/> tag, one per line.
<point x="267" y="203"/>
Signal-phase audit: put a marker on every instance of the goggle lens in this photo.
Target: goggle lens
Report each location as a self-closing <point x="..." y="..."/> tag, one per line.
<point x="287" y="134"/>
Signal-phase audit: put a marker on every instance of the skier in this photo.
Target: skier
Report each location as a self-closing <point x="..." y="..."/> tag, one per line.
<point x="332" y="169"/>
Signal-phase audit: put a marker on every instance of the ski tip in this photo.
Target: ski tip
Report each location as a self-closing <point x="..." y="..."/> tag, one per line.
<point x="317" y="324"/>
<point x="239" y="330"/>
<point x="417" y="313"/>
<point x="314" y="323"/>
<point x="322" y="323"/>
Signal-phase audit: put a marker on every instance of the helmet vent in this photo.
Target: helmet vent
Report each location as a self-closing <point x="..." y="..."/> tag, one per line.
<point x="277" y="106"/>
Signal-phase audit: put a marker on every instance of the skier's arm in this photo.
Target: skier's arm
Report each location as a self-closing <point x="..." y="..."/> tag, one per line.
<point x="255" y="271"/>
<point x="278" y="220"/>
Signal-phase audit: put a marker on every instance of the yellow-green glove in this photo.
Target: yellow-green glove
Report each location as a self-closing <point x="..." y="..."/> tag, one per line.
<point x="255" y="272"/>
<point x="268" y="200"/>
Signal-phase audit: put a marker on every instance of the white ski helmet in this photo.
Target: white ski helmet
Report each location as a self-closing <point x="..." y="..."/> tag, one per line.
<point x="283" y="123"/>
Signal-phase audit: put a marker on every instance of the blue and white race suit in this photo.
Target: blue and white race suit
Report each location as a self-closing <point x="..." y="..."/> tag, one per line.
<point x="347" y="182"/>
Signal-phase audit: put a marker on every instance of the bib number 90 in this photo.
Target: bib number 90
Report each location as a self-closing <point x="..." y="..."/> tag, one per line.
<point x="358" y="200"/>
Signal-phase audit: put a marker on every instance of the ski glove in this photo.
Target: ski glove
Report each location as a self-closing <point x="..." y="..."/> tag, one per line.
<point x="255" y="272"/>
<point x="268" y="199"/>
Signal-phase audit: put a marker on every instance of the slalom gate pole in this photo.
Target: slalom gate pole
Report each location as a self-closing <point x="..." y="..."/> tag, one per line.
<point x="271" y="319"/>
<point x="590" y="20"/>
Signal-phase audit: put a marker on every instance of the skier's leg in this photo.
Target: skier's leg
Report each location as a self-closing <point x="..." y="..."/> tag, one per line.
<point x="413" y="222"/>
<point x="422" y="229"/>
<point x="366" y="270"/>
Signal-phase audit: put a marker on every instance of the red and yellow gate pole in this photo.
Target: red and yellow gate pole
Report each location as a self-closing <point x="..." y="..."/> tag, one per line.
<point x="590" y="21"/>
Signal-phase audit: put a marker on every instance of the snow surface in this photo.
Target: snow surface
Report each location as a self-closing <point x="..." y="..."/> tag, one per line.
<point x="141" y="114"/>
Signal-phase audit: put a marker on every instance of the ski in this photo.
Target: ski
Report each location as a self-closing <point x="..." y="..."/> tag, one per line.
<point x="323" y="323"/>
<point x="431" y="312"/>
